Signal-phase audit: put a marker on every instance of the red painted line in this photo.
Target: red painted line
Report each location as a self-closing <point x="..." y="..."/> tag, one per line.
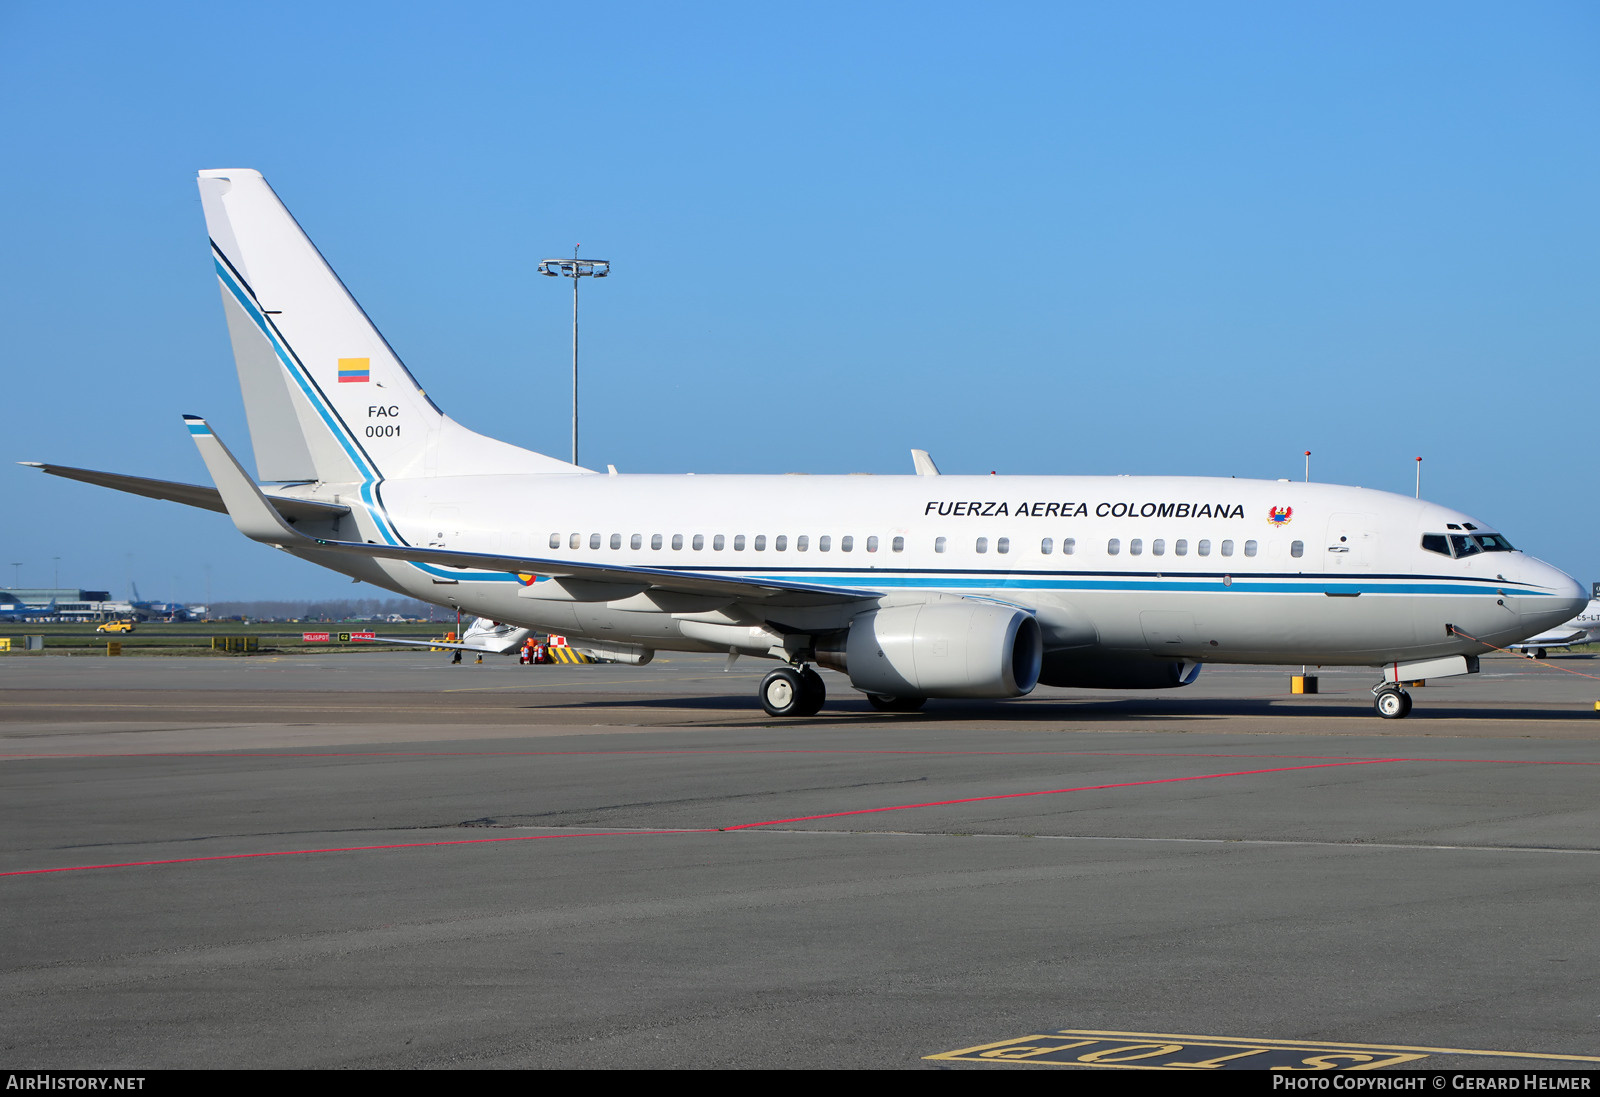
<point x="352" y="849"/>
<point x="708" y="752"/>
<point x="742" y="826"/>
<point x="1055" y="792"/>
<point x="712" y="753"/>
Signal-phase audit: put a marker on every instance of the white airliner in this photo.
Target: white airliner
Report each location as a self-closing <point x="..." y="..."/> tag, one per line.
<point x="912" y="586"/>
<point x="1582" y="629"/>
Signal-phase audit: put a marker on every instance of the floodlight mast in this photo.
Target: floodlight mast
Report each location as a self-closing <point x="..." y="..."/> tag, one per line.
<point x="575" y="269"/>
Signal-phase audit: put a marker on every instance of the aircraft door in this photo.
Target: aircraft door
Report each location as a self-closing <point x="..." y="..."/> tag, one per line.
<point x="1352" y="543"/>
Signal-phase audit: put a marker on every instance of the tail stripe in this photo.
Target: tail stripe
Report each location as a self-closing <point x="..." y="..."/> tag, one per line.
<point x="370" y="481"/>
<point x="297" y="371"/>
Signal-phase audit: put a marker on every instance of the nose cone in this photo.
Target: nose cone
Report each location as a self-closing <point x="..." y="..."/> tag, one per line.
<point x="1556" y="598"/>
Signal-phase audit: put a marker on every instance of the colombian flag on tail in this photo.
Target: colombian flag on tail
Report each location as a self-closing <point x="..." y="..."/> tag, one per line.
<point x="355" y="369"/>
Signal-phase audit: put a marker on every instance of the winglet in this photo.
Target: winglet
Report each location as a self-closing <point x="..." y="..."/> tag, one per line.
<point x="923" y="463"/>
<point x="246" y="504"/>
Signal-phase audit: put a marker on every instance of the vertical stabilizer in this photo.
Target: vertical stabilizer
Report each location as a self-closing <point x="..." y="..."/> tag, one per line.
<point x="327" y="397"/>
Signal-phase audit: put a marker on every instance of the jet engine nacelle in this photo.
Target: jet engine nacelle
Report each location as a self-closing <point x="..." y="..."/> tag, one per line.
<point x="942" y="649"/>
<point x="1119" y="673"/>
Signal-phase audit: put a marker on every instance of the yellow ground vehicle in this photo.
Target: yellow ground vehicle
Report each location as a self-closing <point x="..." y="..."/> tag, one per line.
<point x="116" y="626"/>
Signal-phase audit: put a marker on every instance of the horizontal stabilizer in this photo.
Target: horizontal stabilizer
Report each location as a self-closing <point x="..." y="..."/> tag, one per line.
<point x="191" y="495"/>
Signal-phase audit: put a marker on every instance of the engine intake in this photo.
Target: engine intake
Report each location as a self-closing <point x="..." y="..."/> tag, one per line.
<point x="941" y="649"/>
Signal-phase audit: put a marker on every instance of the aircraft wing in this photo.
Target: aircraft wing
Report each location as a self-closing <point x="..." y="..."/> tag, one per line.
<point x="634" y="579"/>
<point x="1557" y="638"/>
<point x="256" y="517"/>
<point x="192" y="495"/>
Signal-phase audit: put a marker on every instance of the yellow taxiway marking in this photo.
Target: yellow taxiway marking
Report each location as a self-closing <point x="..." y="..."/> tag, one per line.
<point x="1177" y="1051"/>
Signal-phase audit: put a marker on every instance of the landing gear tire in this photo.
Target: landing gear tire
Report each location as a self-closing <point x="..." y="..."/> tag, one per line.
<point x="1539" y="654"/>
<point x="782" y="693"/>
<point x="790" y="692"/>
<point x="884" y="703"/>
<point x="1392" y="704"/>
<point x="813" y="692"/>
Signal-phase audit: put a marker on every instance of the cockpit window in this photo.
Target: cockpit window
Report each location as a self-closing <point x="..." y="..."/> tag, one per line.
<point x="1465" y="544"/>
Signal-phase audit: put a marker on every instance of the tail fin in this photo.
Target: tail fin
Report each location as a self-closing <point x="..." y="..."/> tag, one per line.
<point x="327" y="397"/>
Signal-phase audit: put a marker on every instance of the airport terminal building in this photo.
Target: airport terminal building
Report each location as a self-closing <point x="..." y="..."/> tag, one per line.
<point x="61" y="604"/>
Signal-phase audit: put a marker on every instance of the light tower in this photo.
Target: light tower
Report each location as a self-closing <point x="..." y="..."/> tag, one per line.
<point x="575" y="269"/>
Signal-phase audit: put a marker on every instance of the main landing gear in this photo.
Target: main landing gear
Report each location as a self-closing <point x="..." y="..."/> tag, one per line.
<point x="1392" y="702"/>
<point x="788" y="691"/>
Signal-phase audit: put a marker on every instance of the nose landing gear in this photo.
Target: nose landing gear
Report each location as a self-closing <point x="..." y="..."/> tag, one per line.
<point x="1391" y="702"/>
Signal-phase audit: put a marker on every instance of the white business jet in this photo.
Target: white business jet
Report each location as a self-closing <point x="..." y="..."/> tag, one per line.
<point x="483" y="636"/>
<point x="1582" y="629"/>
<point x="911" y="586"/>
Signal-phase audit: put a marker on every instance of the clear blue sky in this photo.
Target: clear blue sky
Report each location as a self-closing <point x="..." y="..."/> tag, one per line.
<point x="1039" y="238"/>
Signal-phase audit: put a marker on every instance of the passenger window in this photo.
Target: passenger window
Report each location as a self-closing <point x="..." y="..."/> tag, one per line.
<point x="1249" y="548"/>
<point x="1047" y="545"/>
<point x="899" y="544"/>
<point x="1136" y="546"/>
<point x="636" y="541"/>
<point x="655" y="541"/>
<point x="616" y="541"/>
<point x="983" y="544"/>
<point x="1003" y="545"/>
<point x="1227" y="548"/>
<point x="802" y="542"/>
<point x="1158" y="547"/>
<point x="575" y="541"/>
<point x="594" y="540"/>
<point x="677" y="542"/>
<point x="738" y="542"/>
<point x="1204" y="548"/>
<point x="824" y="543"/>
<point x="1069" y="545"/>
<point x="1113" y="546"/>
<point x="846" y="543"/>
<point x="780" y="542"/>
<point x="1297" y="549"/>
<point x="699" y="541"/>
<point x="938" y="544"/>
<point x="718" y="543"/>
<point x="555" y="540"/>
<point x="1180" y="547"/>
<point x="761" y="542"/>
<point x="872" y="544"/>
